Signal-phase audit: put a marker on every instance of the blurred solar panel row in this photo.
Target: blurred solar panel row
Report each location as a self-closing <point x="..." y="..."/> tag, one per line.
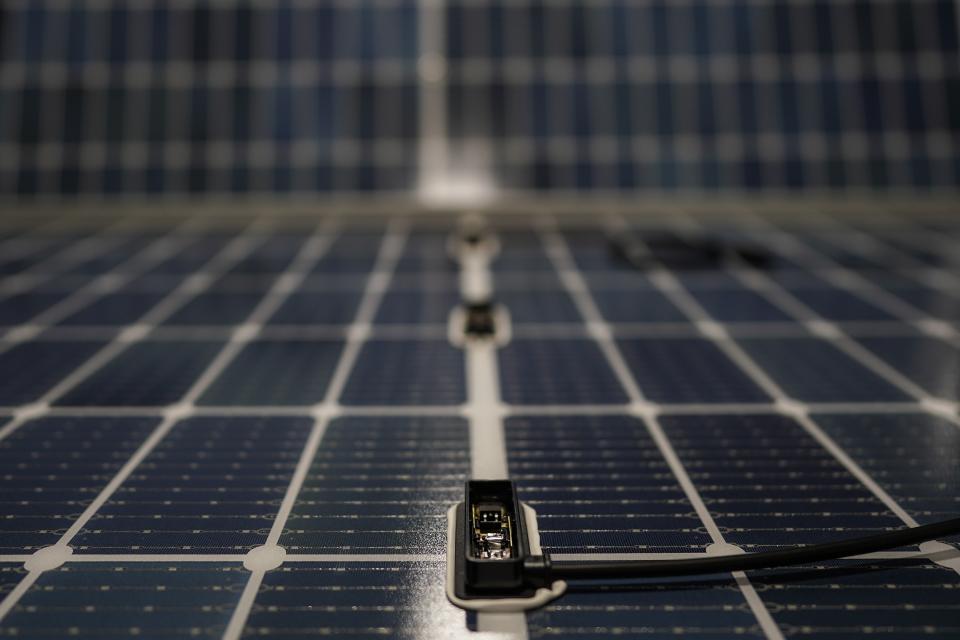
<point x="245" y="97"/>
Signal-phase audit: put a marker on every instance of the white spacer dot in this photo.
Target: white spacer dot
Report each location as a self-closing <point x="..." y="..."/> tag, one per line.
<point x="264" y="557"/>
<point x="663" y="281"/>
<point x="936" y="328"/>
<point x="378" y="282"/>
<point x="48" y="558"/>
<point x="245" y="332"/>
<point x="179" y="411"/>
<point x="287" y="283"/>
<point x="197" y="282"/>
<point x="326" y="411"/>
<point x="23" y="333"/>
<point x="599" y="331"/>
<point x="109" y="282"/>
<point x="712" y="330"/>
<point x="942" y="554"/>
<point x="358" y="333"/>
<point x="644" y="409"/>
<point x="790" y="407"/>
<point x="134" y="333"/>
<point x="723" y="549"/>
<point x="938" y="406"/>
<point x="823" y="329"/>
<point x="31" y="411"/>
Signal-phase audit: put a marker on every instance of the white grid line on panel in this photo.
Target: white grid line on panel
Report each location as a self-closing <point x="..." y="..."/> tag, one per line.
<point x="133" y="333"/>
<point x="507" y="410"/>
<point x="30" y="240"/>
<point x="100" y="286"/>
<point x="801" y="412"/>
<point x="50" y="267"/>
<point x="376" y="285"/>
<point x="221" y="262"/>
<point x="485" y="409"/>
<point x="566" y="268"/>
<point x="835" y="334"/>
<point x="938" y="278"/>
<point x="857" y="285"/>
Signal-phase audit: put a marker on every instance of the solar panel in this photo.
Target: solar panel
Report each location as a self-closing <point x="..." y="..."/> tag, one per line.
<point x="256" y="430"/>
<point x="115" y="98"/>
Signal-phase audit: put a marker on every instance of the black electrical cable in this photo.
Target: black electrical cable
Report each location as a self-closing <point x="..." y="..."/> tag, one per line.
<point x="541" y="571"/>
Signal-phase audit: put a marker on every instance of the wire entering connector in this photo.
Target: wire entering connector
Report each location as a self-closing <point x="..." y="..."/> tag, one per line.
<point x="494" y="547"/>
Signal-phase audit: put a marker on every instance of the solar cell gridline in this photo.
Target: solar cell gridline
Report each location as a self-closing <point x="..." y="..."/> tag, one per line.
<point x="177" y="453"/>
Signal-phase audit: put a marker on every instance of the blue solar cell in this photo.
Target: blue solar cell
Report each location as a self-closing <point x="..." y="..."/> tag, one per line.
<point x="150" y="282"/>
<point x="557" y="372"/>
<point x="738" y="305"/>
<point x="54" y="467"/>
<point x="690" y="608"/>
<point x="212" y="485"/>
<point x="143" y="599"/>
<point x="709" y="281"/>
<point x="412" y="306"/>
<point x="839" y="305"/>
<point x="426" y="252"/>
<point x="912" y="456"/>
<point x="150" y="373"/>
<point x="522" y="256"/>
<point x="115" y="309"/>
<point x="381" y="485"/>
<point x="309" y="307"/>
<point x="390" y="372"/>
<point x="356" y="599"/>
<point x="768" y="483"/>
<point x="592" y="250"/>
<point x="933" y="302"/>
<point x="30" y="369"/>
<point x="543" y="306"/>
<point x="680" y="370"/>
<point x="636" y="305"/>
<point x="351" y="282"/>
<point x="240" y="283"/>
<point x="599" y="484"/>
<point x="272" y="256"/>
<point x="816" y="371"/>
<point x="216" y="308"/>
<point x="276" y="372"/>
<point x="413" y="281"/>
<point x="931" y="363"/>
<point x="632" y="279"/>
<point x="196" y="254"/>
<point x="43" y="248"/>
<point x="10" y="575"/>
<point x="109" y="260"/>
<point x="21" y="307"/>
<point x="901" y="597"/>
<point x="352" y="252"/>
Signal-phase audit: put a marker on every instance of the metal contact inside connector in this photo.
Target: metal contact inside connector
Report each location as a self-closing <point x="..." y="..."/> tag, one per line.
<point x="492" y="540"/>
<point x="492" y="532"/>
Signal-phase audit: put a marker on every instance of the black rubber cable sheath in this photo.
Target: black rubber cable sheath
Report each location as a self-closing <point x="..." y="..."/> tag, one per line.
<point x="744" y="562"/>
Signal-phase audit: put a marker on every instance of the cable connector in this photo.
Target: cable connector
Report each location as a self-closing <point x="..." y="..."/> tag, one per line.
<point x="494" y="561"/>
<point x="494" y="540"/>
<point x="493" y="552"/>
